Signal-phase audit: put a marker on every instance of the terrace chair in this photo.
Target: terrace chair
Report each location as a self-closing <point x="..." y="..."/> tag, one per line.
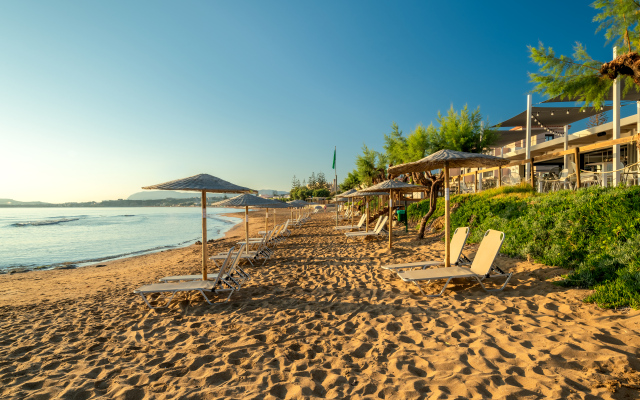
<point x="455" y="257"/>
<point x="563" y="180"/>
<point x="586" y="178"/>
<point x="378" y="231"/>
<point x="219" y="284"/>
<point x="234" y="275"/>
<point x="631" y="174"/>
<point x="481" y="267"/>
<point x="349" y="227"/>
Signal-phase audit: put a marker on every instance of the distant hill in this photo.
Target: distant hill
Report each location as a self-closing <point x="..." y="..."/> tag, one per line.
<point x="269" y="192"/>
<point x="169" y="194"/>
<point x="10" y="202"/>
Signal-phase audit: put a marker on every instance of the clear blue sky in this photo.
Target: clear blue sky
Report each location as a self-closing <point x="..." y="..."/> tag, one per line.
<point x="101" y="98"/>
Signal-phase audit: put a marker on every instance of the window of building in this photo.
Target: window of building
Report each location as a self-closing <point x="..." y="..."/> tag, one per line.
<point x="548" y="137"/>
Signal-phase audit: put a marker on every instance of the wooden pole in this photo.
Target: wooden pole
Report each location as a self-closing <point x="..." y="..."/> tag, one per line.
<point x="475" y="190"/>
<point x="447" y="261"/>
<point x="266" y="219"/>
<point x="204" y="235"/>
<point x="275" y="217"/>
<point x="459" y="186"/>
<point x="246" y="229"/>
<point x="367" y="220"/>
<point x="390" y="219"/>
<point x="352" y="211"/>
<point x="500" y="176"/>
<point x="576" y="154"/>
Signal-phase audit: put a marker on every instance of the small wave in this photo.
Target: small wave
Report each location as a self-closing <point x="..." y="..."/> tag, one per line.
<point x="128" y="215"/>
<point x="45" y="222"/>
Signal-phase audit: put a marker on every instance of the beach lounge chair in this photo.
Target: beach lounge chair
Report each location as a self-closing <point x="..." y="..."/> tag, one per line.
<point x="455" y="257"/>
<point x="219" y="284"/>
<point x="378" y="231"/>
<point x="348" y="227"/>
<point x="233" y="276"/>
<point x="481" y="267"/>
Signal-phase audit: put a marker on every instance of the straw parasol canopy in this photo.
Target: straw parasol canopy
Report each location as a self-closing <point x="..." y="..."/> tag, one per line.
<point x="448" y="159"/>
<point x="203" y="183"/>
<point x="455" y="159"/>
<point x="341" y="198"/>
<point x="246" y="201"/>
<point x="392" y="186"/>
<point x="296" y="204"/>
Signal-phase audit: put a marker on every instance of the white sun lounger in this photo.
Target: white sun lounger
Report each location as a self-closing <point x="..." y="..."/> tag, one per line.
<point x="201" y="286"/>
<point x="378" y="231"/>
<point x="347" y="227"/>
<point x="234" y="275"/>
<point x="481" y="267"/>
<point x="456" y="257"/>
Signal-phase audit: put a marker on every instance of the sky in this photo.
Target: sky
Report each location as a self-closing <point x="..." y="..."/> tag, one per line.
<point x="102" y="98"/>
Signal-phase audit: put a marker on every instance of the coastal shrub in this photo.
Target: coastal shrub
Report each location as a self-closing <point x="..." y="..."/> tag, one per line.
<point x="593" y="232"/>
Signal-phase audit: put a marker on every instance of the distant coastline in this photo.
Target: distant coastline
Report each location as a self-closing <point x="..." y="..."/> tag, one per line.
<point x="186" y="202"/>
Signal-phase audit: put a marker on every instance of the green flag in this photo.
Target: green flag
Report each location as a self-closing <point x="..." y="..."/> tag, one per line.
<point x="334" y="159"/>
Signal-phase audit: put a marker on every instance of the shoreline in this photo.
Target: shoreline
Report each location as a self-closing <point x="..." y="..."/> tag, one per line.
<point x="235" y="231"/>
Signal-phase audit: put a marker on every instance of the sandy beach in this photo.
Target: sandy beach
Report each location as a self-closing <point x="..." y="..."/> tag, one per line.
<point x="320" y="319"/>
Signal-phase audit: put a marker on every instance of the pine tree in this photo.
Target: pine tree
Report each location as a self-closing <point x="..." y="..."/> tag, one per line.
<point x="312" y="181"/>
<point x="295" y="183"/>
<point x="581" y="76"/>
<point x="321" y="181"/>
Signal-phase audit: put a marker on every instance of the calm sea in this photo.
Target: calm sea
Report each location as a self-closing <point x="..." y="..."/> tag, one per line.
<point x="47" y="237"/>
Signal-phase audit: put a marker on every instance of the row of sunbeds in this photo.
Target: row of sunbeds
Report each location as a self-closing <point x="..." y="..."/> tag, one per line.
<point x="482" y="267"/>
<point x="229" y="276"/>
<point x="378" y="230"/>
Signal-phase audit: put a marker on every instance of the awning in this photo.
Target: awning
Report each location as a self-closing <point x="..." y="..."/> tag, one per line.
<point x="553" y="116"/>
<point x="633" y="95"/>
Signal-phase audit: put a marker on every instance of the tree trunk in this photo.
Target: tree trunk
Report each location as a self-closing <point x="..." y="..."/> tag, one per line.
<point x="627" y="64"/>
<point x="436" y="182"/>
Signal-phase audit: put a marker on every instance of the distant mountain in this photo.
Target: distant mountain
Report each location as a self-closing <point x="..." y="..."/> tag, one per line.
<point x="169" y="194"/>
<point x="269" y="192"/>
<point x="10" y="202"/>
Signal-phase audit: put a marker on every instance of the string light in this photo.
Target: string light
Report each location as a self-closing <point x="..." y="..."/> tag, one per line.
<point x="551" y="112"/>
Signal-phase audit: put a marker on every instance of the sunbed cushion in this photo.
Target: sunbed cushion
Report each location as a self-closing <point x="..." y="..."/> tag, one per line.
<point x="436" y="273"/>
<point x="176" y="287"/>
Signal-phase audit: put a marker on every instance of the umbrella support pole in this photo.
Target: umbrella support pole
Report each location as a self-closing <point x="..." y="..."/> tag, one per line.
<point x="246" y="229"/>
<point x="447" y="258"/>
<point x="390" y="219"/>
<point x="367" y="220"/>
<point x="204" y="235"/>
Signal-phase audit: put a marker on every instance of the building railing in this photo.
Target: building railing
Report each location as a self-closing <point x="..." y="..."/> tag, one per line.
<point x="575" y="152"/>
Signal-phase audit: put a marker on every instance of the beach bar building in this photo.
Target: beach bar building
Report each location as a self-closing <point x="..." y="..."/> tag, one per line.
<point x="542" y="152"/>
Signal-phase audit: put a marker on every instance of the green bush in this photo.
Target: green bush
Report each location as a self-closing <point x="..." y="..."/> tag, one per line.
<point x="592" y="231"/>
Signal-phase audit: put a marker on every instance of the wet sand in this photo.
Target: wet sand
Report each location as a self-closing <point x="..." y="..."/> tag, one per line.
<point x="320" y="319"/>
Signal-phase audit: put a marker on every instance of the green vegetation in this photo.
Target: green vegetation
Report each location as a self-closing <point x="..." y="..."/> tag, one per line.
<point x="581" y="76"/>
<point x="594" y="232"/>
<point x="317" y="187"/>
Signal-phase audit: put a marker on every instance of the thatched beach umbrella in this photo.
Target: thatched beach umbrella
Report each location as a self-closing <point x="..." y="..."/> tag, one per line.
<point x="296" y="204"/>
<point x="366" y="196"/>
<point x="342" y="198"/>
<point x="203" y="183"/>
<point x="448" y="159"/>
<point x="246" y="201"/>
<point x="390" y="187"/>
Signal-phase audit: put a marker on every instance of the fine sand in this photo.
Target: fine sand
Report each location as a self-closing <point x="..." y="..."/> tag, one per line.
<point x="318" y="320"/>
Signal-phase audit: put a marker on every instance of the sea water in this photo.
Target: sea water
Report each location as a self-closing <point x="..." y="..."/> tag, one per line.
<point x="43" y="238"/>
